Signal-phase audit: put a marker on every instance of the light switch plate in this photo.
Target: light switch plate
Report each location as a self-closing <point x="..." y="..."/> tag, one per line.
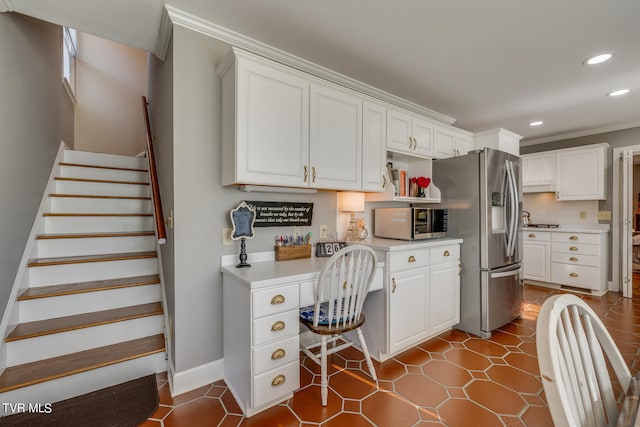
<point x="604" y="215"/>
<point x="226" y="236"/>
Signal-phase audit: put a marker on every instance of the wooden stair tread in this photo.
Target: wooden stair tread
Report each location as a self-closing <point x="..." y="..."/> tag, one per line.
<point x="94" y="196"/>
<point x="82" y="165"/>
<point x="90" y="235"/>
<point x="95" y="214"/>
<point x="40" y="262"/>
<point x="79" y="321"/>
<point x="92" y="286"/>
<point x="32" y="373"/>
<point x="102" y="181"/>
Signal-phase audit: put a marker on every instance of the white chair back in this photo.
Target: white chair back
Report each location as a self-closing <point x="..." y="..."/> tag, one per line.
<point x="343" y="283"/>
<point x="573" y="346"/>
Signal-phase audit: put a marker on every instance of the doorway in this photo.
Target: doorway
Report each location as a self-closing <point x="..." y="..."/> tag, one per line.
<point x="626" y="232"/>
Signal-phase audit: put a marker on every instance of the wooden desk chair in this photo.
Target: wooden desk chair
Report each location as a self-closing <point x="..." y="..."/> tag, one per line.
<point x="572" y="343"/>
<point x="339" y="295"/>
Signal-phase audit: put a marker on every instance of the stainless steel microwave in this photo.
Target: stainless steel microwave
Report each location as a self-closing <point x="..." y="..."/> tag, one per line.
<point x="410" y="223"/>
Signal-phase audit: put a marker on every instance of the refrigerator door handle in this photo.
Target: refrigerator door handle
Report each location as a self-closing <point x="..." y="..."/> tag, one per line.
<point x="515" y="272"/>
<point x="513" y="208"/>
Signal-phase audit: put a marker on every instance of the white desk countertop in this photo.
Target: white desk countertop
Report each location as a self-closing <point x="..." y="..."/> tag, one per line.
<point x="575" y="228"/>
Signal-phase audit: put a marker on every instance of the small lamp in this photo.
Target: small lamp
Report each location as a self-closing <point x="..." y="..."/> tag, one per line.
<point x="352" y="202"/>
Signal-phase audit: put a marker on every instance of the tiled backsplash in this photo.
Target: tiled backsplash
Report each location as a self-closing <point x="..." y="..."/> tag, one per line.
<point x="544" y="209"/>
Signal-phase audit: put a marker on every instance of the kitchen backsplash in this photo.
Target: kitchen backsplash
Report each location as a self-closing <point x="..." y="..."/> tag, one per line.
<point x="544" y="209"/>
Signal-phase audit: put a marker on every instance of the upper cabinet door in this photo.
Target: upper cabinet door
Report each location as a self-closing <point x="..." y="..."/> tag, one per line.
<point x="464" y="144"/>
<point x="335" y="141"/>
<point x="374" y="134"/>
<point x="580" y="174"/>
<point x="272" y="125"/>
<point x="538" y="169"/>
<point x="422" y="137"/>
<point x="444" y="142"/>
<point x="399" y="132"/>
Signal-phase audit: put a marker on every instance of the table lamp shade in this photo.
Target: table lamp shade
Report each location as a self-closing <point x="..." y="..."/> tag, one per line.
<point x="350" y="201"/>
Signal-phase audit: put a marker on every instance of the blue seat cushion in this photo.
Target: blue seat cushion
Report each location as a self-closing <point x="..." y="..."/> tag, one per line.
<point x="307" y="313"/>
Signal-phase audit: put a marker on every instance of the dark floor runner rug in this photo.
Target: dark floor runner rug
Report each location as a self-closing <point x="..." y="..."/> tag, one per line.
<point x="124" y="405"/>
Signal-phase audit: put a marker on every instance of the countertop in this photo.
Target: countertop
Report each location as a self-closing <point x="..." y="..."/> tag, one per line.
<point x="574" y="228"/>
<point x="390" y="245"/>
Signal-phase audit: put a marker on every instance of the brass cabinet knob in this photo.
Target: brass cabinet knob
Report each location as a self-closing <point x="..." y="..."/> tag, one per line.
<point x="532" y="235"/>
<point x="573" y="238"/>
<point x="411" y="259"/>
<point x="573" y="248"/>
<point x="313" y="174"/>
<point x="277" y="326"/>
<point x="446" y="253"/>
<point x="306" y="174"/>
<point x="278" y="354"/>
<point x="573" y="274"/>
<point x="393" y="287"/>
<point x="573" y="259"/>
<point x="278" y="299"/>
<point x="278" y="380"/>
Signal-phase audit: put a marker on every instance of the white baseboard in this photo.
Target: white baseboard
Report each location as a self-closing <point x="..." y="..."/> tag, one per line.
<point x="196" y="377"/>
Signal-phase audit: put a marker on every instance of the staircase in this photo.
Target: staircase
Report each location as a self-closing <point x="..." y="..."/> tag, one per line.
<point x="90" y="315"/>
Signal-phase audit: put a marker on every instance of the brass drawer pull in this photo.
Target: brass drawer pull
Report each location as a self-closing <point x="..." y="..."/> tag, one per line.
<point x="411" y="259"/>
<point x="306" y="174"/>
<point x="278" y="380"/>
<point x="278" y="354"/>
<point x="278" y="299"/>
<point x="384" y="181"/>
<point x="410" y="143"/>
<point x="573" y="274"/>
<point x="532" y="235"/>
<point x="573" y="258"/>
<point x="573" y="238"/>
<point x="446" y="253"/>
<point x="277" y="326"/>
<point x="313" y="174"/>
<point x="573" y="248"/>
<point x="393" y="288"/>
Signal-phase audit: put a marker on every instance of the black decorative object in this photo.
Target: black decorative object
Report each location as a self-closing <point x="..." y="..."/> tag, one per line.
<point x="242" y="218"/>
<point x="327" y="249"/>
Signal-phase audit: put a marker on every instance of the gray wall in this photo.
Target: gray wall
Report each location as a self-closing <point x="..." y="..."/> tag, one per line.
<point x="200" y="204"/>
<point x="35" y="116"/>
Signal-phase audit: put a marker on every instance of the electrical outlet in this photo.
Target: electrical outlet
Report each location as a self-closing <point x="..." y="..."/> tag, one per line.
<point x="323" y="231"/>
<point x="583" y="215"/>
<point x="226" y="236"/>
<point x="604" y="215"/>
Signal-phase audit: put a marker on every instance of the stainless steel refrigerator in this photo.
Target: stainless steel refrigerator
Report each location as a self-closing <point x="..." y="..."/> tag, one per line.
<point x="482" y="191"/>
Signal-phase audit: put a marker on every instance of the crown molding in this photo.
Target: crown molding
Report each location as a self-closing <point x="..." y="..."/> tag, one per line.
<point x="164" y="35"/>
<point x="581" y="134"/>
<point x="195" y="23"/>
<point x="6" y="6"/>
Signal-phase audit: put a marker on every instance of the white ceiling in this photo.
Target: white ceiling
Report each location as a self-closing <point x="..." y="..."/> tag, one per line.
<point x="486" y="63"/>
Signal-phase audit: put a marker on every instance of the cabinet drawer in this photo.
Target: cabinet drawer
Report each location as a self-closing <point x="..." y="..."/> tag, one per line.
<point x="540" y="236"/>
<point x="575" y="275"/>
<point x="275" y="384"/>
<point x="590" y="239"/>
<point x="575" y="248"/>
<point x="575" y="259"/>
<point x="275" y="300"/>
<point x="404" y="260"/>
<point x="275" y="327"/>
<point x="275" y="355"/>
<point x="443" y="254"/>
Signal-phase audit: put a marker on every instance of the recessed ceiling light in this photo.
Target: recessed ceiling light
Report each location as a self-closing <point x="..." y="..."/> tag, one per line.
<point x="619" y="92"/>
<point x="536" y="123"/>
<point x="598" y="59"/>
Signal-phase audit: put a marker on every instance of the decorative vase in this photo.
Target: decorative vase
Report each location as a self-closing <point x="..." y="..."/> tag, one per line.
<point x="421" y="192"/>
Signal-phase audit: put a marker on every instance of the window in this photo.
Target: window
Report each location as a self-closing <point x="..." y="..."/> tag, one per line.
<point x="69" y="57"/>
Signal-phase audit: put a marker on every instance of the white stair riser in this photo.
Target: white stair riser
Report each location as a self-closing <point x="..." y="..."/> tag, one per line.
<point x="86" y="382"/>
<point x="100" y="159"/>
<point x="44" y="347"/>
<point x="97" y="205"/>
<point x="106" y="174"/>
<point x="90" y="246"/>
<point x="73" y="273"/>
<point x="101" y="188"/>
<point x="68" y="305"/>
<point x="88" y="224"/>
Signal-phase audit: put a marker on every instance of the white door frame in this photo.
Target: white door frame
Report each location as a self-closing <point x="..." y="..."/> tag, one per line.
<point x="617" y="243"/>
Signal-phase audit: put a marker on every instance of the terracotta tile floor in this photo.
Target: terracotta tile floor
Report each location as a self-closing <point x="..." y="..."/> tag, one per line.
<point x="455" y="379"/>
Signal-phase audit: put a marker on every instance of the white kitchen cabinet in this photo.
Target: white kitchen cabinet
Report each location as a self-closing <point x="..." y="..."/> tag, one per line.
<point x="579" y="260"/>
<point x="464" y="142"/>
<point x="538" y="172"/>
<point x="374" y="137"/>
<point x="499" y="139"/>
<point x="450" y="142"/>
<point x="265" y="123"/>
<point x="408" y="309"/>
<point x="579" y="173"/>
<point x="536" y="255"/>
<point x="335" y="141"/>
<point x="444" y="288"/>
<point x="409" y="134"/>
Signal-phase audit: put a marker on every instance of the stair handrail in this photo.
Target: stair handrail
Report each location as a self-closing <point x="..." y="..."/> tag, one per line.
<point x="161" y="232"/>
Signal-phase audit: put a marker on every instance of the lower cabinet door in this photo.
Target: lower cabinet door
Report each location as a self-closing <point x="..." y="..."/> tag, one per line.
<point x="408" y="316"/>
<point x="444" y="297"/>
<point x="535" y="261"/>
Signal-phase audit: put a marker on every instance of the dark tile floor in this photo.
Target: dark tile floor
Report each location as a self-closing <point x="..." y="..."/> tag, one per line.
<point x="455" y="379"/>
